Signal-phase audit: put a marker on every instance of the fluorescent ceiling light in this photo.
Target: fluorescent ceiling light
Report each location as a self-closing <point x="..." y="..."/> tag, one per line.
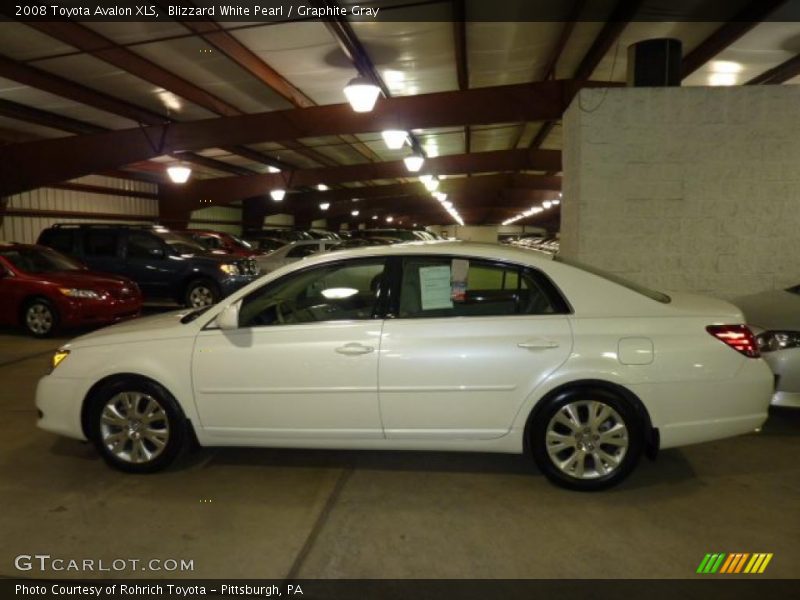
<point x="432" y="184"/>
<point x="394" y="138"/>
<point x="362" y="94"/>
<point x="322" y="187"/>
<point x="354" y="213"/>
<point x="389" y="219"/>
<point x="413" y="163"/>
<point x="324" y="205"/>
<point x="547" y="204"/>
<point x="272" y="169"/>
<point x="179" y="173"/>
<point x="278" y="195"/>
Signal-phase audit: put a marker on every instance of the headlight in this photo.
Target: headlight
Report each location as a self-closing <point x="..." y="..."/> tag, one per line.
<point x="770" y="341"/>
<point x="77" y="293"/>
<point x="230" y="269"/>
<point x="58" y="358"/>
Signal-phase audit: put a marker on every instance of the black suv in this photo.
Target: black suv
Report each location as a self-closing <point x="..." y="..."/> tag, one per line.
<point x="163" y="263"/>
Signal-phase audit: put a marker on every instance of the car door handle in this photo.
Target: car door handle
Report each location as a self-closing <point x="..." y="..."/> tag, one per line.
<point x="538" y="344"/>
<point x="354" y="349"/>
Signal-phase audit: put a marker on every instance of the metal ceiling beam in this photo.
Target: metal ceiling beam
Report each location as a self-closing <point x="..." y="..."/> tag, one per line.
<point x="462" y="57"/>
<point x="354" y="50"/>
<point x="65" y="88"/>
<point x="750" y="16"/>
<point x="779" y="74"/>
<point x="102" y="48"/>
<point x="618" y="20"/>
<point x="478" y="185"/>
<point x="55" y="121"/>
<point x="226" y="190"/>
<point x="20" y="164"/>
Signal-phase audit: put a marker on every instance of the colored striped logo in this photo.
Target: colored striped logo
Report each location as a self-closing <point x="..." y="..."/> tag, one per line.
<point x="738" y="562"/>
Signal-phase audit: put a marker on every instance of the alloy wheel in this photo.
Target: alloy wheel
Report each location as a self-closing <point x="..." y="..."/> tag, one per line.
<point x="587" y="439"/>
<point x="39" y="319"/>
<point x="134" y="427"/>
<point x="201" y="296"/>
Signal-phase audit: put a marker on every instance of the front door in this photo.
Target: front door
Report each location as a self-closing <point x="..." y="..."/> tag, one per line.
<point x="470" y="342"/>
<point x="303" y="362"/>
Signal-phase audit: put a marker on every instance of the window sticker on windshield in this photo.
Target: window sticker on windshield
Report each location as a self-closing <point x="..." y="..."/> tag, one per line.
<point x="460" y="268"/>
<point x="434" y="287"/>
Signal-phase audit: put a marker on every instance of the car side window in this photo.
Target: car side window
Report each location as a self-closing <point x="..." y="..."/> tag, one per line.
<point x="59" y="239"/>
<point x="99" y="242"/>
<point x="209" y="242"/>
<point x="465" y="287"/>
<point x="303" y="251"/>
<point x="142" y="245"/>
<point x="337" y="292"/>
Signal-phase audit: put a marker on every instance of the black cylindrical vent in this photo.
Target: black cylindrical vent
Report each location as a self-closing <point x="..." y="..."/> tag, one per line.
<point x="655" y="63"/>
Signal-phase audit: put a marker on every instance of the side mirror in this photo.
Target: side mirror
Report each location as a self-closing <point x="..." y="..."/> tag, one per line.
<point x="229" y="317"/>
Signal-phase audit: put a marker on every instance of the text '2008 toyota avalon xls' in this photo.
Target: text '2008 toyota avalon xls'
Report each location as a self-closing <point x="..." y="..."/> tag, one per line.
<point x="428" y="346"/>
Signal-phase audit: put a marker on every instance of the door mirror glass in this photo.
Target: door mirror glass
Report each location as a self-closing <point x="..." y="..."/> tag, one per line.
<point x="229" y="317"/>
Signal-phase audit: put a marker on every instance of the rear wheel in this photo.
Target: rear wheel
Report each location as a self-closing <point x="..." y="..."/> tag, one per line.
<point x="201" y="293"/>
<point x="40" y="318"/>
<point x="136" y="425"/>
<point x="586" y="439"/>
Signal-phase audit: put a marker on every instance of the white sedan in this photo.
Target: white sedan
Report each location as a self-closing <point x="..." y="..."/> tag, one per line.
<point x="422" y="346"/>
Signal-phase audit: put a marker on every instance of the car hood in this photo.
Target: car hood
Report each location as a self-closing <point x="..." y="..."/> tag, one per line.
<point x="84" y="279"/>
<point x="165" y="325"/>
<point x="775" y="309"/>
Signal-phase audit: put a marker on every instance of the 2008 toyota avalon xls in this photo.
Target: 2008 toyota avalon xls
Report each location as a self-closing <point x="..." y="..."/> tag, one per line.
<point x="429" y="346"/>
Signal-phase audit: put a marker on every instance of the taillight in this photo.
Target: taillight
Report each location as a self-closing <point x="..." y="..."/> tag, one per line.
<point x="738" y="337"/>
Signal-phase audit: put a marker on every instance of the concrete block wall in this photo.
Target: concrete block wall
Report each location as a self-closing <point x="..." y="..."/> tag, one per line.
<point x="690" y="189"/>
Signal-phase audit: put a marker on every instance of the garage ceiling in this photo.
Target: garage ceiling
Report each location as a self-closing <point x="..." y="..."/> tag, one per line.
<point x="82" y="80"/>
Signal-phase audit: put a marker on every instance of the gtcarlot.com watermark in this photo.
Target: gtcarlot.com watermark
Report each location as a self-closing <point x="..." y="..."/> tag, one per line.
<point x="47" y="563"/>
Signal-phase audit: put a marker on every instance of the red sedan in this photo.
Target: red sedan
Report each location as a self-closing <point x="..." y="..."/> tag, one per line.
<point x="219" y="241"/>
<point x="42" y="290"/>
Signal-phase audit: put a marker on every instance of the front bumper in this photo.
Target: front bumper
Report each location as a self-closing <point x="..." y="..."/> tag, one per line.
<point x="60" y="401"/>
<point x="82" y="312"/>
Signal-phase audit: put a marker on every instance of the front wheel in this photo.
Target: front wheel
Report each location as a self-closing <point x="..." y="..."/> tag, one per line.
<point x="40" y="318"/>
<point x="137" y="426"/>
<point x="201" y="293"/>
<point x="586" y="439"/>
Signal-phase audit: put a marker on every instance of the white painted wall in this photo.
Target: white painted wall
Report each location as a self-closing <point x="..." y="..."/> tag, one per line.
<point x="26" y="229"/>
<point x="694" y="189"/>
<point x="218" y="213"/>
<point x="279" y="220"/>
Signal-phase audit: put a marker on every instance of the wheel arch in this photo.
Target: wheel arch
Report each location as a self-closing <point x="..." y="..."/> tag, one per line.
<point x="93" y="391"/>
<point x="651" y="436"/>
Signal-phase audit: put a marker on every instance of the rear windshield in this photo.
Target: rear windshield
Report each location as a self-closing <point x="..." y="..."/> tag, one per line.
<point x="635" y="287"/>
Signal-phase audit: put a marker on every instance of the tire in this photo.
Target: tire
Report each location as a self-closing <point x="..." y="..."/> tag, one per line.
<point x="586" y="439"/>
<point x="40" y="318"/>
<point x="200" y="293"/>
<point x="118" y="420"/>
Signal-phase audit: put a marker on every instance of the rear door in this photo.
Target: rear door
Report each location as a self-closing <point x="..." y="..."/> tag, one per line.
<point x="470" y="341"/>
<point x="101" y="250"/>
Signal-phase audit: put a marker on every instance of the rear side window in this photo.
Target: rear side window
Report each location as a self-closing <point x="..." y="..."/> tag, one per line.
<point x="58" y="239"/>
<point x="99" y="242"/>
<point x="143" y="245"/>
<point x="207" y="241"/>
<point x="460" y="287"/>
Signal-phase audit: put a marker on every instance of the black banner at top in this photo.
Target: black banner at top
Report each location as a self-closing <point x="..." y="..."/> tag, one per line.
<point x="398" y="10"/>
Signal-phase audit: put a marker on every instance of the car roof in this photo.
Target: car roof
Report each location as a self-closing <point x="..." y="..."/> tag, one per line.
<point x="438" y="247"/>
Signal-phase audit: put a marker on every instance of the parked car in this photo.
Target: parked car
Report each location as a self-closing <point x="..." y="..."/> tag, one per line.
<point x="220" y="241"/>
<point x="323" y="234"/>
<point x="405" y="235"/>
<point x="294" y="251"/>
<point x="162" y="263"/>
<point x="479" y="348"/>
<point x="265" y="245"/>
<point x="43" y="291"/>
<point x="775" y="317"/>
<point x="361" y="243"/>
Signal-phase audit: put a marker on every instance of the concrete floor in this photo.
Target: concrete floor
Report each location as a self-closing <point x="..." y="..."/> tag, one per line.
<point x="287" y="513"/>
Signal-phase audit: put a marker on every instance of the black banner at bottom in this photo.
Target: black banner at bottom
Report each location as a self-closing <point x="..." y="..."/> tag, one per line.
<point x="734" y="588"/>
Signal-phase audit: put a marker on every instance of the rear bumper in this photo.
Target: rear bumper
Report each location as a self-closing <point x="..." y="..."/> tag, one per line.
<point x="703" y="411"/>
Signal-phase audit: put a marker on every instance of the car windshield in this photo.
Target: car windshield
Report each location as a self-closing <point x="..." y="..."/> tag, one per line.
<point x="240" y="242"/>
<point x="635" y="287"/>
<point x="35" y="260"/>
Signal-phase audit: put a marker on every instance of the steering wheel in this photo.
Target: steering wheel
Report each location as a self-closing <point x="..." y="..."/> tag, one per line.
<point x="284" y="311"/>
